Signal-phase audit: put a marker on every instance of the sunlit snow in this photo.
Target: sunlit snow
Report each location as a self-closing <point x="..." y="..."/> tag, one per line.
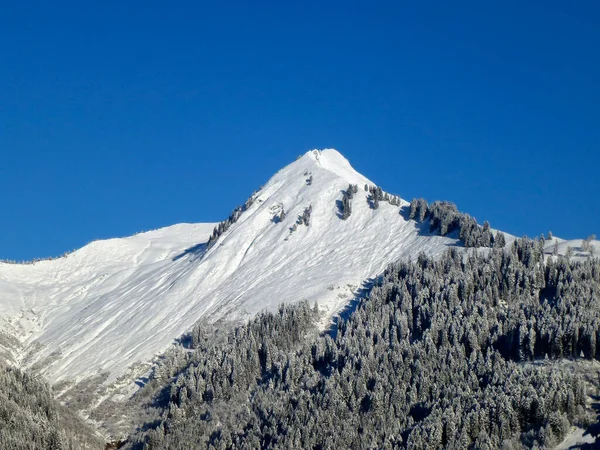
<point x="117" y="302"/>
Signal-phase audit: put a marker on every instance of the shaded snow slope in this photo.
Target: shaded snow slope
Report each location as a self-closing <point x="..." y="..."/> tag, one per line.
<point x="117" y="302"/>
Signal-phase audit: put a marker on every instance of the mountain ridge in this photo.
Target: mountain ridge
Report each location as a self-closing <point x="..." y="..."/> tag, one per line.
<point x="113" y="305"/>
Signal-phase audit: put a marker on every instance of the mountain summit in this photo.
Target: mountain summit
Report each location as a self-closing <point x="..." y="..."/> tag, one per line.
<point x="311" y="233"/>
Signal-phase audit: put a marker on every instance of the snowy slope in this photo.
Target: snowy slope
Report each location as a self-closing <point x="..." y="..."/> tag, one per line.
<point x="117" y="302"/>
<point x="78" y="295"/>
<point x="561" y="247"/>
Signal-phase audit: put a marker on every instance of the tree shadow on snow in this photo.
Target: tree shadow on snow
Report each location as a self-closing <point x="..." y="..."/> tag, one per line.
<point x="142" y="381"/>
<point x="424" y="228"/>
<point x="593" y="430"/>
<point x="196" y="250"/>
<point x="361" y="293"/>
<point x="340" y="208"/>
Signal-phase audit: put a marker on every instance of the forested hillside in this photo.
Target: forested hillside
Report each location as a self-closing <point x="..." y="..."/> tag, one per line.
<point x="457" y="345"/>
<point x="30" y="418"/>
<point x="436" y="357"/>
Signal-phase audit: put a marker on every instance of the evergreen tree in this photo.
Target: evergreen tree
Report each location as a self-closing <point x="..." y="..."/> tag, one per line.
<point x="586" y="244"/>
<point x="346" y="205"/>
<point x="499" y="240"/>
<point x="428" y="358"/>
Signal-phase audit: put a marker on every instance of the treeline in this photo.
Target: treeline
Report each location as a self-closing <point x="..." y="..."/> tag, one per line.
<point x="376" y="195"/>
<point x="445" y="218"/>
<point x="30" y="418"/>
<point x="35" y="260"/>
<point x="223" y="226"/>
<point x="434" y="358"/>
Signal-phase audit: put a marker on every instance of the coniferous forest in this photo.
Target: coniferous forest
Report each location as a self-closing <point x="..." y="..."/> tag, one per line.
<point x="461" y="352"/>
<point x="31" y="419"/>
<point x="456" y="353"/>
<point x="299" y="225"/>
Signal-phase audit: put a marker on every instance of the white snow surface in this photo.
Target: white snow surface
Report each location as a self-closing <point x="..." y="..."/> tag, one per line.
<point x="561" y="247"/>
<point x="119" y="302"/>
<point x="576" y="439"/>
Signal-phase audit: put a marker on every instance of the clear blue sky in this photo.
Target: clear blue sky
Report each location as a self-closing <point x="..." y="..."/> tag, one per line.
<point x="117" y="117"/>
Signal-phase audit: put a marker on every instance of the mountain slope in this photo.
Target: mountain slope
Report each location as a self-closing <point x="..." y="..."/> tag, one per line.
<point x="119" y="302"/>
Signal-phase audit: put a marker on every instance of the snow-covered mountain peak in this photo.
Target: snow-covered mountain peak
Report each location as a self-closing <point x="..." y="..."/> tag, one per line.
<point x="119" y="302"/>
<point x="328" y="160"/>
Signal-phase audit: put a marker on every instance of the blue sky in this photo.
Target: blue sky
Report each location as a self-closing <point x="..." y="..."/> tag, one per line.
<point x="117" y="117"/>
